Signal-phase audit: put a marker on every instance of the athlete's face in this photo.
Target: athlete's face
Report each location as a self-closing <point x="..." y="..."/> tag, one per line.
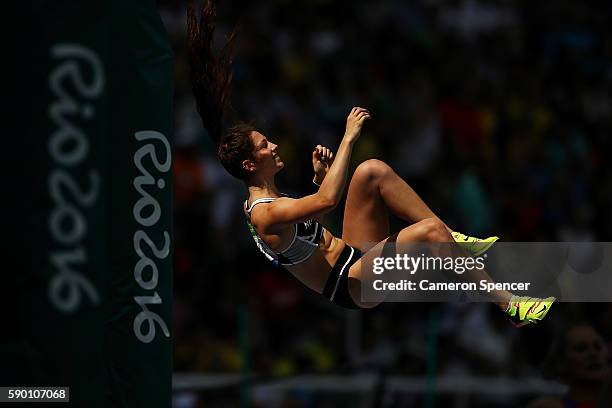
<point x="267" y="160"/>
<point x="586" y="356"/>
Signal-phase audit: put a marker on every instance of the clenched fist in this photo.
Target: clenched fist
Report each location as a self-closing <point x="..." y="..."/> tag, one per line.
<point x="322" y="158"/>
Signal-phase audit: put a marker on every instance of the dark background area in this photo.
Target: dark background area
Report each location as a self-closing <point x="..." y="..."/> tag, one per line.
<point x="496" y="112"/>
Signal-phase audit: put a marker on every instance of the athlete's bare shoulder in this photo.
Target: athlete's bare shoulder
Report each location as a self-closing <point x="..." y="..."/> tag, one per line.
<point x="263" y="219"/>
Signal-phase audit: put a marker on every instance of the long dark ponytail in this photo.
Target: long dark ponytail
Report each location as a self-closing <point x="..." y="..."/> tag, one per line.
<point x="211" y="74"/>
<point x="211" y="80"/>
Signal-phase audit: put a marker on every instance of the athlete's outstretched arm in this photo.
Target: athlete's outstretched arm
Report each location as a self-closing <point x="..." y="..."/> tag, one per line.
<point x="332" y="186"/>
<point x="286" y="211"/>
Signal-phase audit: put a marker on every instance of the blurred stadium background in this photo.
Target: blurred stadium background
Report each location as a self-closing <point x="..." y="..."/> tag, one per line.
<point x="497" y="112"/>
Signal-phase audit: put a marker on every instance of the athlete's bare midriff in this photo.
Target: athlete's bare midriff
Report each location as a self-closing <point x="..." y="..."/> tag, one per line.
<point x="314" y="271"/>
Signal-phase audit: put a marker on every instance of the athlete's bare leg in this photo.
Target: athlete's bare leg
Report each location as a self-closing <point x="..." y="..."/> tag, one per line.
<point x="374" y="190"/>
<point x="429" y="230"/>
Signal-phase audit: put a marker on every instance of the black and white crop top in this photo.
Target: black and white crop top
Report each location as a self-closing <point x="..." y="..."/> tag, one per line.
<point x="305" y="239"/>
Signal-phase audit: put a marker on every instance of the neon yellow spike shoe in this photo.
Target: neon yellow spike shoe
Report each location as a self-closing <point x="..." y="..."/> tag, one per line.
<point x="525" y="310"/>
<point x="475" y="246"/>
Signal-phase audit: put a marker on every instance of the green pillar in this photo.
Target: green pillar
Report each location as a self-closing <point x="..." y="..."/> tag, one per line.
<point x="139" y="207"/>
<point x="94" y="229"/>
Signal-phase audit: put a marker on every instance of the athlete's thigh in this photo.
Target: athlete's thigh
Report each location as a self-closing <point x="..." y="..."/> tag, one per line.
<point x="361" y="274"/>
<point x="366" y="219"/>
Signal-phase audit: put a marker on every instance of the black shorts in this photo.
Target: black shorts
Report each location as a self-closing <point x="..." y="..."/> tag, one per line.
<point x="336" y="287"/>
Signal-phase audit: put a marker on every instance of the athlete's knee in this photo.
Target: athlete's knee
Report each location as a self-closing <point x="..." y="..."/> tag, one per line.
<point x="372" y="170"/>
<point x="434" y="230"/>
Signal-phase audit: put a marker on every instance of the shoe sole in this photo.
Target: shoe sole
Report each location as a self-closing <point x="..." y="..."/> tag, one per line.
<point x="534" y="321"/>
<point x="486" y="248"/>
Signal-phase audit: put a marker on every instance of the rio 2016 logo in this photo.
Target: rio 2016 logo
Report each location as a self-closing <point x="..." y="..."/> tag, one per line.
<point x="68" y="148"/>
<point x="147" y="212"/>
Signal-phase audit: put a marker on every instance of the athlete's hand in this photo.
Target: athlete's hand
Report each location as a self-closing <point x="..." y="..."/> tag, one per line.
<point x="354" y="123"/>
<point x="322" y="159"/>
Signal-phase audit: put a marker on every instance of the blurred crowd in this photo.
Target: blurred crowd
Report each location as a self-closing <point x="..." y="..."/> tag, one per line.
<point x="496" y="112"/>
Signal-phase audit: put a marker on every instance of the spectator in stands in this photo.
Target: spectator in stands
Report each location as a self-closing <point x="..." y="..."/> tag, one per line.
<point x="579" y="357"/>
